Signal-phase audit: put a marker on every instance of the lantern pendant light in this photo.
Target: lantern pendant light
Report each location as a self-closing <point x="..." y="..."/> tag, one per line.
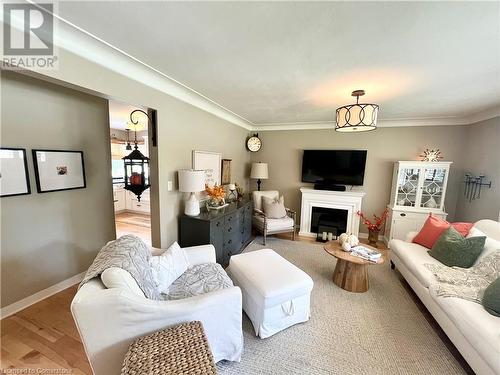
<point x="128" y="147"/>
<point x="136" y="165"/>
<point x="359" y="117"/>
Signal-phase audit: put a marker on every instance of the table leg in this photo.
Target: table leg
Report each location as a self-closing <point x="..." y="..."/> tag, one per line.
<point x="350" y="276"/>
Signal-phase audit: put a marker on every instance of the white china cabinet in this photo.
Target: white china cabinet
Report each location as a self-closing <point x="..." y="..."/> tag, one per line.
<point x="418" y="188"/>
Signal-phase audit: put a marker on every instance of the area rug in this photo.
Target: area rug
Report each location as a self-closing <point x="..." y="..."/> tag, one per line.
<point x="381" y="331"/>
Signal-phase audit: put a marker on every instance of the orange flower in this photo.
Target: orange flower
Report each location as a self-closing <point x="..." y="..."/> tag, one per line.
<point x="216" y="192"/>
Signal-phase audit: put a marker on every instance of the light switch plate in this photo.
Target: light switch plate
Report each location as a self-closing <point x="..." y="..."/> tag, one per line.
<point x="169" y="186"/>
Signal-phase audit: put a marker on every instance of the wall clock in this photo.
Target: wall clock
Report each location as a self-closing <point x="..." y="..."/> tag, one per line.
<point x="254" y="143"/>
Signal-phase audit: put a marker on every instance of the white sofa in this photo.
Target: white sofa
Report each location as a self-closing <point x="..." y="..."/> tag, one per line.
<point x="108" y="320"/>
<point x="474" y="332"/>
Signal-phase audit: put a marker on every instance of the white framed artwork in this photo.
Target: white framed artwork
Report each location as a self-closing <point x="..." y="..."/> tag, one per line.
<point x="57" y="170"/>
<point x="210" y="162"/>
<point x="14" y="177"/>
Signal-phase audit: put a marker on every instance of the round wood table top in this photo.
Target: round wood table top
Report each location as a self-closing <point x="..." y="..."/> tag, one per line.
<point x="334" y="248"/>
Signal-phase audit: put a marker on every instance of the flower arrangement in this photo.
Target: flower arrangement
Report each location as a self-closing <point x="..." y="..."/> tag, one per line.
<point x="377" y="224"/>
<point x="217" y="194"/>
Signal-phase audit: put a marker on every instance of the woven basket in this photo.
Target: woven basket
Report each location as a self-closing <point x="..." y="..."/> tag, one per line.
<point x="182" y="349"/>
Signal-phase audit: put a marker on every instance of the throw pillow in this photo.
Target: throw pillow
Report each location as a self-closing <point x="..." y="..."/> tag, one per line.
<point x="168" y="266"/>
<point x="490" y="245"/>
<point x="115" y="277"/>
<point x="274" y="208"/>
<point x="434" y="227"/>
<point x="491" y="298"/>
<point x="452" y="249"/>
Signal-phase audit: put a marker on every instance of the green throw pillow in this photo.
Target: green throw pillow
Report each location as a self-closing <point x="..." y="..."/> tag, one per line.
<point x="491" y="298"/>
<point x="452" y="249"/>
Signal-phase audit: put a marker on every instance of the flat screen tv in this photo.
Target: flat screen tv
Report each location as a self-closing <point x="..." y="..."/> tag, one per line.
<point x="330" y="167"/>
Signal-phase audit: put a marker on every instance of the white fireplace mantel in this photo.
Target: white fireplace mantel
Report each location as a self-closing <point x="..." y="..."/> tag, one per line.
<point x="340" y="200"/>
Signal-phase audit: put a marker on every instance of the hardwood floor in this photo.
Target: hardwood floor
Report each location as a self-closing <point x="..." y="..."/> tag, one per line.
<point x="44" y="335"/>
<point x="133" y="223"/>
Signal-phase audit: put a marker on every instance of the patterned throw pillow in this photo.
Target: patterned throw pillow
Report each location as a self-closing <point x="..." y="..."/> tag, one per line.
<point x="274" y="208"/>
<point x="452" y="249"/>
<point x="168" y="266"/>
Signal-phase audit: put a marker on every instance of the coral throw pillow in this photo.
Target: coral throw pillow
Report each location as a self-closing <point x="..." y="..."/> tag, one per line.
<point x="434" y="227"/>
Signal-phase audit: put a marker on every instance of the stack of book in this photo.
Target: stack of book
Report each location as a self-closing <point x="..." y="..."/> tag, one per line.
<point x="365" y="253"/>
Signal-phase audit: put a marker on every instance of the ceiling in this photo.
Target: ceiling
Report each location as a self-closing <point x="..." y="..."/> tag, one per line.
<point x="119" y="115"/>
<point x="295" y="62"/>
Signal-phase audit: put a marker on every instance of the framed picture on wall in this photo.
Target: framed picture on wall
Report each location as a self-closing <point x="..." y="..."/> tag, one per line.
<point x="226" y="172"/>
<point x="57" y="170"/>
<point x="14" y="177"/>
<point x="210" y="162"/>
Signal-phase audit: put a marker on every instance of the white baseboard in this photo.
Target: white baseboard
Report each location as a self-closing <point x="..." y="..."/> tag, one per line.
<point x="38" y="296"/>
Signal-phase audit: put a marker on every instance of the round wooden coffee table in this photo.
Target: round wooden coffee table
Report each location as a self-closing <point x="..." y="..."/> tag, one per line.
<point x="351" y="273"/>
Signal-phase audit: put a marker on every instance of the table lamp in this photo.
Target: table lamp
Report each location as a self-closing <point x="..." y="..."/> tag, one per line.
<point x="259" y="172"/>
<point x="191" y="181"/>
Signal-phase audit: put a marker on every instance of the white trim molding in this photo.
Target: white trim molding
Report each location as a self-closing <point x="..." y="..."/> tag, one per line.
<point x="41" y="295"/>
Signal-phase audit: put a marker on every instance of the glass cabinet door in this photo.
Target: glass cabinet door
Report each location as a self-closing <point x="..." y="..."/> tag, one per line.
<point x="407" y="187"/>
<point x="432" y="188"/>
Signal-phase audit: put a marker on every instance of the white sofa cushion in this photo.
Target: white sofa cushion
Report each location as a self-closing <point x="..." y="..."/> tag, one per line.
<point x="115" y="277"/>
<point x="274" y="208"/>
<point x="490" y="245"/>
<point x="284" y="223"/>
<point x="414" y="256"/>
<point x="257" y="197"/>
<point x="481" y="329"/>
<point x="168" y="266"/>
<point x="197" y="280"/>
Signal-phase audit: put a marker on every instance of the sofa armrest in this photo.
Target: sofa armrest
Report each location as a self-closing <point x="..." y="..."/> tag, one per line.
<point x="200" y="254"/>
<point x="410" y="236"/>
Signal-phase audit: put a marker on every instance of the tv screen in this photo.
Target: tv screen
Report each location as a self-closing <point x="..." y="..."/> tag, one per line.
<point x="343" y="167"/>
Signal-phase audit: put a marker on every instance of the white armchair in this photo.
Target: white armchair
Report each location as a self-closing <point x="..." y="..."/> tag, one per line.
<point x="266" y="225"/>
<point x="108" y="320"/>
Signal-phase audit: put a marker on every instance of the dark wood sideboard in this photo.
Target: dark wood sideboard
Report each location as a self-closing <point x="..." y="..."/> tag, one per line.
<point x="228" y="229"/>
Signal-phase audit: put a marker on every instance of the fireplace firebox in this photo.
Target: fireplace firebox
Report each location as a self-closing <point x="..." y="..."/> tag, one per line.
<point x="329" y="220"/>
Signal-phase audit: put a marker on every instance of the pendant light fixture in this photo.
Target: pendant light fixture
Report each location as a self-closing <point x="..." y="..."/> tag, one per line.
<point x="359" y="117"/>
<point x="136" y="164"/>
<point x="128" y="147"/>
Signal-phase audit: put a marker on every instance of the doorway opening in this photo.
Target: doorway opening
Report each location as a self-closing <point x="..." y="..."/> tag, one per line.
<point x="132" y="215"/>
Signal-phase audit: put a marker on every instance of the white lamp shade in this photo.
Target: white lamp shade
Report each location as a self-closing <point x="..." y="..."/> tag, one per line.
<point x="191" y="180"/>
<point x="259" y="171"/>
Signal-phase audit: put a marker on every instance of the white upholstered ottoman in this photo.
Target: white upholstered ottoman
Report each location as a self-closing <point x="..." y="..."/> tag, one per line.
<point x="276" y="294"/>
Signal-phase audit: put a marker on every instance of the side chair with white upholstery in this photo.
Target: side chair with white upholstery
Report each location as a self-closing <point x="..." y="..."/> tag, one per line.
<point x="266" y="225"/>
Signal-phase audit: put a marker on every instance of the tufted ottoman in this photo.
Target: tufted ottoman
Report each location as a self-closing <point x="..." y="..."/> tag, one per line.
<point x="276" y="294"/>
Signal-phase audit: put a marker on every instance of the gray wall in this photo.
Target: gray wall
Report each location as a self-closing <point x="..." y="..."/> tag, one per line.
<point x="482" y="156"/>
<point x="50" y="237"/>
<point x="283" y="151"/>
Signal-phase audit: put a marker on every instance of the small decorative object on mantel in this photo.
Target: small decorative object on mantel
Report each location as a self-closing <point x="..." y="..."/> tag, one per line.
<point x="348" y="241"/>
<point x="14" y="178"/>
<point x="217" y="198"/>
<point x="431" y="155"/>
<point x="373" y="227"/>
<point x="473" y="185"/>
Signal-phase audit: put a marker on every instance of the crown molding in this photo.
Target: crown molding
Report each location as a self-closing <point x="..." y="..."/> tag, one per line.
<point x="90" y="47"/>
<point x="388" y="123"/>
<point x="82" y="43"/>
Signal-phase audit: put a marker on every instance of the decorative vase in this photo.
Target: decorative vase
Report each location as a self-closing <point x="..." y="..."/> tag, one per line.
<point x="373" y="236"/>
